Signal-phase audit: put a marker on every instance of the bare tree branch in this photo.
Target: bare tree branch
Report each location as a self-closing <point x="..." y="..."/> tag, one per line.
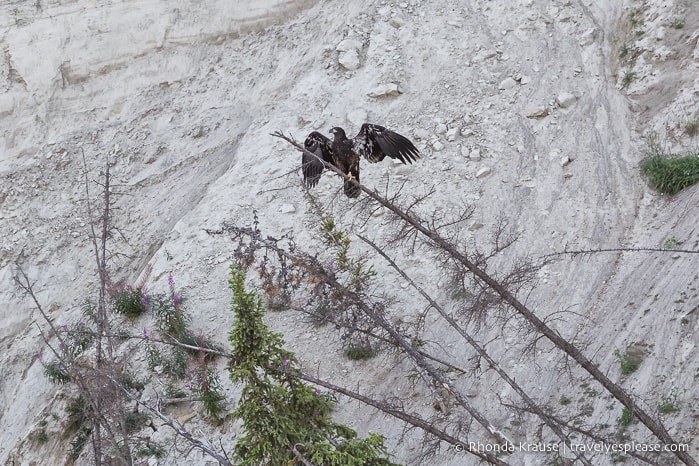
<point x="653" y="424"/>
<point x="533" y="406"/>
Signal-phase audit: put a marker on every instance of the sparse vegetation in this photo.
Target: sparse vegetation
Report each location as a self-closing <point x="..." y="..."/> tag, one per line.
<point x="627" y="78"/>
<point x="634" y="17"/>
<point x="624" y="51"/>
<point x="629" y="362"/>
<point x="128" y="301"/>
<point x="669" y="175"/>
<point x="41" y="436"/>
<point x="671" y="242"/>
<point x="79" y="425"/>
<point x="55" y="373"/>
<point x="564" y="400"/>
<point x="151" y="449"/>
<point x="669" y="404"/>
<point x="134" y="421"/>
<point x="677" y="24"/>
<point x="626" y="418"/>
<point x="691" y="127"/>
<point x="358" y="351"/>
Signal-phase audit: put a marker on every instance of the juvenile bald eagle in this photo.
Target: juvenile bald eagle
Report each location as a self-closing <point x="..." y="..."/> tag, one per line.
<point x="373" y="142"/>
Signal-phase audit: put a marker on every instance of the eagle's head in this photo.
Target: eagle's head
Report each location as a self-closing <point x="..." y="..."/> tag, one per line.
<point x="338" y="132"/>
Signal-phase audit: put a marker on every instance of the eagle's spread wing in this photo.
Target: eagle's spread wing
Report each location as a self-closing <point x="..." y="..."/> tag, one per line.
<point x="311" y="166"/>
<point x="374" y="142"/>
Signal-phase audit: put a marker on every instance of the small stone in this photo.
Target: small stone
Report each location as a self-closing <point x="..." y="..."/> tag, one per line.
<point x="660" y="33"/>
<point x="287" y="209"/>
<point x="349" y="60"/>
<point x="536" y="111"/>
<point x="452" y="133"/>
<point x="565" y="160"/>
<point x="507" y="83"/>
<point x="441" y="128"/>
<point x="475" y="155"/>
<point x="588" y="37"/>
<point x="466" y="132"/>
<point x="348" y="44"/>
<point x="565" y="99"/>
<point x="397" y="22"/>
<point x="384" y="90"/>
<point x="483" y="172"/>
<point x="421" y="134"/>
<point x="437" y="145"/>
<point x="567" y="176"/>
<point x="475" y="226"/>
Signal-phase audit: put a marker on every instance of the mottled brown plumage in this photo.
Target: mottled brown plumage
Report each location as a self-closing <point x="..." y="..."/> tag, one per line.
<point x="373" y="142"/>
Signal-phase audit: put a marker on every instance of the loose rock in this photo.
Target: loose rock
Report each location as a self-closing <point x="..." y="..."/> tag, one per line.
<point x="437" y="145"/>
<point x="421" y="134"/>
<point x="349" y="60"/>
<point x="384" y="90"/>
<point x="507" y="83"/>
<point x="397" y="22"/>
<point x="483" y="172"/>
<point x="536" y="111"/>
<point x="565" y="99"/>
<point x="452" y="133"/>
<point x="287" y="209"/>
<point x="348" y="44"/>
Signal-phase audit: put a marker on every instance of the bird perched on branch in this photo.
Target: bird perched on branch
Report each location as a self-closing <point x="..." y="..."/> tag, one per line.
<point x="373" y="142"/>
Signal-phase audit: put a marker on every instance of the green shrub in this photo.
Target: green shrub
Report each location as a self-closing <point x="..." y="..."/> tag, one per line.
<point x="626" y="418"/>
<point x="135" y="421"/>
<point x="669" y="175"/>
<point x="358" y="351"/>
<point x="151" y="449"/>
<point x="629" y="362"/>
<point x="130" y="302"/>
<point x="78" y="425"/>
<point x="669" y="404"/>
<point x="55" y="373"/>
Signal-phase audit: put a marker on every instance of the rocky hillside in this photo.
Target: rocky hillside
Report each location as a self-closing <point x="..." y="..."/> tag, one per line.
<point x="530" y="110"/>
